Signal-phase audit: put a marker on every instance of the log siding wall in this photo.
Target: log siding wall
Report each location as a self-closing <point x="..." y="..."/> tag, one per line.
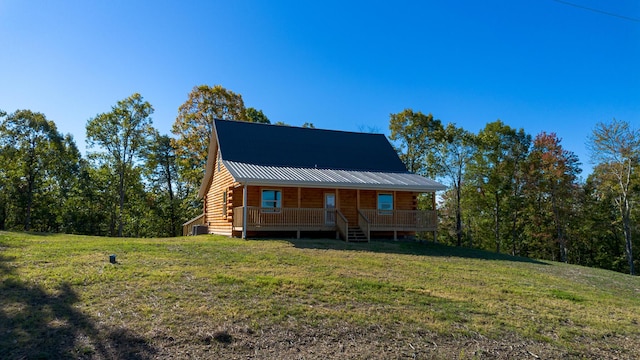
<point x="222" y="181"/>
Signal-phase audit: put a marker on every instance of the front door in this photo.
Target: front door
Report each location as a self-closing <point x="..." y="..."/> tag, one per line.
<point x="330" y="208"/>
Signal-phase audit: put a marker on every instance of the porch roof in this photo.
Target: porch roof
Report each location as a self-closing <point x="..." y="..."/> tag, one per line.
<point x="252" y="174"/>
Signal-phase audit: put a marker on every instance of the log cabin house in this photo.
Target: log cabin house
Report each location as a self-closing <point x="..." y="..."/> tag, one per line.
<point x="262" y="179"/>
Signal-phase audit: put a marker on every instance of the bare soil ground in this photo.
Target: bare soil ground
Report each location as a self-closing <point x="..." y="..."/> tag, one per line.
<point x="238" y="341"/>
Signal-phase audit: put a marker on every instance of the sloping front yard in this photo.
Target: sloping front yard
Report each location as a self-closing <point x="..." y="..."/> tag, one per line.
<point x="215" y="297"/>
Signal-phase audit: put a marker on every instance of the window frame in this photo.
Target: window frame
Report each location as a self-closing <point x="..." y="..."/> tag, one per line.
<point x="277" y="201"/>
<point x="382" y="211"/>
<point x="224" y="206"/>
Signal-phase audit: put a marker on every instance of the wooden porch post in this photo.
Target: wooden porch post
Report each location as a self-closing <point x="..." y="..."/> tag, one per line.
<point x="395" y="220"/>
<point x="337" y="209"/>
<point x="298" y="213"/>
<point x="433" y="206"/>
<point x="244" y="211"/>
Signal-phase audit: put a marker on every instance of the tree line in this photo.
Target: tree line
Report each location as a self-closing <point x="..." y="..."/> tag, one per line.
<point x="513" y="193"/>
<point x="133" y="182"/>
<point x="508" y="191"/>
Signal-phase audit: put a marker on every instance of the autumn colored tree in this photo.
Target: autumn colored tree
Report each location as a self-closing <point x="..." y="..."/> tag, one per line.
<point x="552" y="184"/>
<point x="194" y="125"/>
<point x="123" y="134"/>
<point x="615" y="148"/>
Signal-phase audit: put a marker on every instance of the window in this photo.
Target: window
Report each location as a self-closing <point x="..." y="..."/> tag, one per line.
<point x="224" y="203"/>
<point x="271" y="200"/>
<point x="385" y="204"/>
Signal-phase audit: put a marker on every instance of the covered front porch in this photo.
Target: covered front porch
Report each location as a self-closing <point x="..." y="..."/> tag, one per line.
<point x="369" y="221"/>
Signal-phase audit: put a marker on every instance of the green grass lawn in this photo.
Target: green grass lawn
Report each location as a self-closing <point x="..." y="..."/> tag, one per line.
<point x="216" y="297"/>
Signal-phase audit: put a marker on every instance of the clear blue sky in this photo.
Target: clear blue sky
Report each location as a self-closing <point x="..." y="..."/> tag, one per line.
<point x="537" y="64"/>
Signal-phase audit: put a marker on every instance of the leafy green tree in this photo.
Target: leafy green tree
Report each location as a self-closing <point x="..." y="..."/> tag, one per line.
<point x="494" y="169"/>
<point x="455" y="150"/>
<point x="415" y="135"/>
<point x="256" y="116"/>
<point x="123" y="134"/>
<point x="166" y="186"/>
<point x="31" y="147"/>
<point x="597" y="239"/>
<point x="4" y="179"/>
<point x="615" y="147"/>
<point x="194" y="125"/>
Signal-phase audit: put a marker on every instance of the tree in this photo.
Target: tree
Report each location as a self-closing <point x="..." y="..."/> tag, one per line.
<point x="500" y="150"/>
<point x="194" y="125"/>
<point x="598" y="241"/>
<point x="415" y="134"/>
<point x="552" y="183"/>
<point x="615" y="147"/>
<point x="454" y="152"/>
<point x="163" y="169"/>
<point x="256" y="116"/>
<point x="308" y="125"/>
<point x="31" y="147"/>
<point x="4" y="180"/>
<point x="124" y="134"/>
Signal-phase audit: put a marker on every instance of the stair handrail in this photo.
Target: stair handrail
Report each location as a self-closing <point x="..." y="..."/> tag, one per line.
<point x="365" y="225"/>
<point x="342" y="224"/>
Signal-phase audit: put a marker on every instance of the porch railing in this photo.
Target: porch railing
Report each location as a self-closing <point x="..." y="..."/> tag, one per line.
<point x="320" y="219"/>
<point x="309" y="219"/>
<point x="187" y="228"/>
<point x="401" y="220"/>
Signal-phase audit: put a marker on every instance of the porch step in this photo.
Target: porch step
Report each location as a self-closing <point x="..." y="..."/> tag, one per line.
<point x="355" y="234"/>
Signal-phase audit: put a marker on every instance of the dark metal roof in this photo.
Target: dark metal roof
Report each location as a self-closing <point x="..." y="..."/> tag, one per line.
<point x="296" y="147"/>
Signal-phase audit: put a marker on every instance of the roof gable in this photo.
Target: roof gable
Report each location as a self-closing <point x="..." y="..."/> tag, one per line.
<point x="287" y="146"/>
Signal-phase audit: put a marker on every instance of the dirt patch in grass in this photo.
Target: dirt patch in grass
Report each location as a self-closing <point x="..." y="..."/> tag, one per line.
<point x="294" y="341"/>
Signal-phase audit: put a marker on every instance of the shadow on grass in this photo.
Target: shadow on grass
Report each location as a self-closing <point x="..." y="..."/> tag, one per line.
<point x="408" y="247"/>
<point x="36" y="324"/>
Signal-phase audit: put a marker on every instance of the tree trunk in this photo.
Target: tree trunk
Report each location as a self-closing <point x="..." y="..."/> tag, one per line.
<point x="625" y="209"/>
<point x="514" y="232"/>
<point x="30" y="188"/>
<point x="559" y="233"/>
<point x="31" y="179"/>
<point x="458" y="214"/>
<point x="172" y="213"/>
<point x="121" y="204"/>
<point x="497" y="223"/>
<point x="626" y="224"/>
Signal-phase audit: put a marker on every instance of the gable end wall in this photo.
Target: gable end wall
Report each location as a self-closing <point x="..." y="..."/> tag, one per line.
<point x="218" y="222"/>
